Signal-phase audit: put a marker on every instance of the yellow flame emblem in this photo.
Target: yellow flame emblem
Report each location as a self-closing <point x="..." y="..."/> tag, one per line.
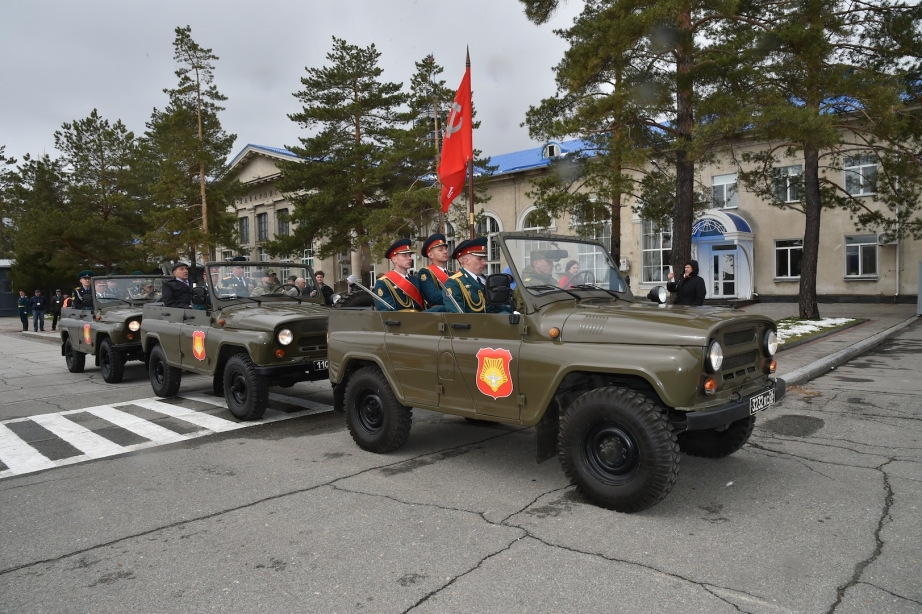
<point x="493" y="373"/>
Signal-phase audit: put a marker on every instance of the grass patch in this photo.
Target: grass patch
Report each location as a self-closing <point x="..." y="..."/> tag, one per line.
<point x="794" y="331"/>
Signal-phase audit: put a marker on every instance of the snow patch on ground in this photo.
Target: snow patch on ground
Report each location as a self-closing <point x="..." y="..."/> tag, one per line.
<point x="786" y="330"/>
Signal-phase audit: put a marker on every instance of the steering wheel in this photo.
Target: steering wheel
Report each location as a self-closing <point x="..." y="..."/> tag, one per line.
<point x="581" y="278"/>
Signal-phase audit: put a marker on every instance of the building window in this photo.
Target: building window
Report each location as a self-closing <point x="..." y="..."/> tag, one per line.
<point x="551" y="150"/>
<point x="860" y="174"/>
<point x="530" y="223"/>
<point x="227" y="254"/>
<point x="487" y="227"/>
<point x="789" y="182"/>
<point x="789" y="258"/>
<point x="261" y="255"/>
<point x="307" y="257"/>
<point x="262" y="226"/>
<point x="656" y="252"/>
<point x="723" y="191"/>
<point x="592" y="228"/>
<point x="861" y="256"/>
<point x="281" y="220"/>
<point x="244" y="230"/>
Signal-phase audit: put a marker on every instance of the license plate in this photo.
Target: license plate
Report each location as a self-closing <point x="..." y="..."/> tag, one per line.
<point x="761" y="401"/>
<point x="324" y="365"/>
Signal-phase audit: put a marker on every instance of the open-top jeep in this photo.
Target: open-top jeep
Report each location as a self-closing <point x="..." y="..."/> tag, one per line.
<point x="110" y="331"/>
<point x="250" y="331"/>
<point x="614" y="386"/>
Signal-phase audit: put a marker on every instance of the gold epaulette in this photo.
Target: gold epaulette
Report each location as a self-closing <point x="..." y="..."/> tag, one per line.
<point x="457" y="275"/>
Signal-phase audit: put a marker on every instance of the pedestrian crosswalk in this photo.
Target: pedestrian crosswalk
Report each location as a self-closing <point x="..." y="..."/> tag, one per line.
<point x="73" y="436"/>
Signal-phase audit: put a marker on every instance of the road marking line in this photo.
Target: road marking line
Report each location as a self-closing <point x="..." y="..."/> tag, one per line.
<point x="138" y="426"/>
<point x="19" y="456"/>
<point x="85" y="440"/>
<point x="212" y="423"/>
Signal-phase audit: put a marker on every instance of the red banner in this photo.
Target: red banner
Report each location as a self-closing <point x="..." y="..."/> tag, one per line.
<point x="458" y="144"/>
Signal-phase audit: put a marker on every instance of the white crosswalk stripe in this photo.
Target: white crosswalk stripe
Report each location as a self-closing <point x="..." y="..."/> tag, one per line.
<point x="20" y="457"/>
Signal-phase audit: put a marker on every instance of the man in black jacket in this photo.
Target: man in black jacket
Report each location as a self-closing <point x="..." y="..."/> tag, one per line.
<point x="690" y="289"/>
<point x="57" y="303"/>
<point x="177" y="292"/>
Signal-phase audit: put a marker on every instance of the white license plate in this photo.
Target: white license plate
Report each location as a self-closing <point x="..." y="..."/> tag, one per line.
<point x="761" y="401"/>
<point x="324" y="365"/>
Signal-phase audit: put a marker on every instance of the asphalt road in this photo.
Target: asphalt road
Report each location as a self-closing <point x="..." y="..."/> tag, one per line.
<point x="820" y="512"/>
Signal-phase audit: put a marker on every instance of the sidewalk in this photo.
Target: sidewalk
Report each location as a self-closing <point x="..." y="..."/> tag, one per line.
<point x="795" y="366"/>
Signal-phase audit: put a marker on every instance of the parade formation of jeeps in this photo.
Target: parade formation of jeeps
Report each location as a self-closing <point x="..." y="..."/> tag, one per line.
<point x="616" y="387"/>
<point x="249" y="329"/>
<point x="110" y="331"/>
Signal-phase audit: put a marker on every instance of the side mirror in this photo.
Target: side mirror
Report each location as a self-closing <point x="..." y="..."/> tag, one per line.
<point x="498" y="292"/>
<point x="657" y="295"/>
<point x="199" y="295"/>
<point x="335" y="298"/>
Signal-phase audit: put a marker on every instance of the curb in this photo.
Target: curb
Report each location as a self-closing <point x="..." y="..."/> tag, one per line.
<point x="815" y="369"/>
<point x="817" y="337"/>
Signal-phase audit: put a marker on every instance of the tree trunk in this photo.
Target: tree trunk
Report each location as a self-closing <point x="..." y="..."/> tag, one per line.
<point x="813" y="208"/>
<point x="683" y="215"/>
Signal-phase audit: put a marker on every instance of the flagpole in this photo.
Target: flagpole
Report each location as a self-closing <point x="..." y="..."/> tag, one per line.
<point x="470" y="164"/>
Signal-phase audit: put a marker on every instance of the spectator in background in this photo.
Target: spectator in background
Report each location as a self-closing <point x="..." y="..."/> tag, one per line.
<point x="691" y="289"/>
<point x="324" y="289"/>
<point x="57" y="303"/>
<point x="569" y="272"/>
<point x="37" y="305"/>
<point x="24" y="310"/>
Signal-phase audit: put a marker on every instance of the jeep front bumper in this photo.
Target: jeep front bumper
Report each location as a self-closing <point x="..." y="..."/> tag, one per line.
<point x="732" y="411"/>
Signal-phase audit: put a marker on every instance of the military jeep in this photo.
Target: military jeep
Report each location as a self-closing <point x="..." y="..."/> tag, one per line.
<point x="249" y="329"/>
<point x="616" y="387"/>
<point x="110" y="331"/>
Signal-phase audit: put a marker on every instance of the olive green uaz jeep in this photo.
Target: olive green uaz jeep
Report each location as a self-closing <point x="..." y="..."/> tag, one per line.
<point x="615" y="387"/>
<point x="253" y="330"/>
<point x="110" y="330"/>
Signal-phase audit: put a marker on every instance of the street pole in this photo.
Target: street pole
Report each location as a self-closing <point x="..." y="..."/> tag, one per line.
<point x="470" y="164"/>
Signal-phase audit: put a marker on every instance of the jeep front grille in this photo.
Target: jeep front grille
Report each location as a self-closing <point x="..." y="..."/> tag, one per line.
<point x="312" y="344"/>
<point x="736" y="361"/>
<point x="738" y="337"/>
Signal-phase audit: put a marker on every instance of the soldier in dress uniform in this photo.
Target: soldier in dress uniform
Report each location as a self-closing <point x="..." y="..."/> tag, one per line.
<point x="465" y="289"/>
<point x="136" y="290"/>
<point x="82" y="297"/>
<point x="397" y="288"/>
<point x="236" y="282"/>
<point x="432" y="278"/>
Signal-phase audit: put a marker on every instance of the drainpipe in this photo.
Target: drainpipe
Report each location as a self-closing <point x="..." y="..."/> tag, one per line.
<point x="899" y="244"/>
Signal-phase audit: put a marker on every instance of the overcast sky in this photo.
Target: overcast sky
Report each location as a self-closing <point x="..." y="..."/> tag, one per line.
<point x="61" y="59"/>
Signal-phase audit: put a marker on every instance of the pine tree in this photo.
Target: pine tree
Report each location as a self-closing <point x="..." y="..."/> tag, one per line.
<point x="6" y="214"/>
<point x="824" y="81"/>
<point x="185" y="150"/>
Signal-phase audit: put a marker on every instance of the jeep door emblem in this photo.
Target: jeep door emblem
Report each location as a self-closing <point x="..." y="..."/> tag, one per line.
<point x="198" y="344"/>
<point x="86" y="334"/>
<point x="493" y="377"/>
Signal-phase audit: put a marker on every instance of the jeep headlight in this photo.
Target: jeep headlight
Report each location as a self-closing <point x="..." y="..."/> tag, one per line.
<point x="134" y="326"/>
<point x="715" y="357"/>
<point x="285" y="336"/>
<point x="770" y="342"/>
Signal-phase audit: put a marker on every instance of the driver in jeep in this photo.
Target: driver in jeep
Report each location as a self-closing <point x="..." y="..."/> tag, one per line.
<point x="539" y="271"/>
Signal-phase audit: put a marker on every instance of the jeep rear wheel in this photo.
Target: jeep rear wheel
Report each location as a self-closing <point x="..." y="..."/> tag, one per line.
<point x="111" y="362"/>
<point x="246" y="392"/>
<point x="75" y="360"/>
<point x="713" y="443"/>
<point x="618" y="449"/>
<point x="376" y="419"/>
<point x="164" y="379"/>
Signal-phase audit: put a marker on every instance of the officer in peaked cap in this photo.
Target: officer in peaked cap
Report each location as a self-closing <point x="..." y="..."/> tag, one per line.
<point x="83" y="294"/>
<point x="432" y="277"/>
<point x="539" y="270"/>
<point x="465" y="289"/>
<point x="398" y="288"/>
<point x="177" y="292"/>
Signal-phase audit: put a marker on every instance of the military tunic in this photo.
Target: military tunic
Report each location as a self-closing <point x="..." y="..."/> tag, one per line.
<point x="396" y="298"/>
<point x="531" y="277"/>
<point x="469" y="294"/>
<point x="83" y="298"/>
<point x="430" y="286"/>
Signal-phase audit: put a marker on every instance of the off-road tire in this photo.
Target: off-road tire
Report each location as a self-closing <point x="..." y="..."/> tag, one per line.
<point x="164" y="379"/>
<point x="356" y="299"/>
<point x="111" y="362"/>
<point x="712" y="443"/>
<point x="246" y="392"/>
<point x="618" y="449"/>
<point x="76" y="361"/>
<point x="376" y="419"/>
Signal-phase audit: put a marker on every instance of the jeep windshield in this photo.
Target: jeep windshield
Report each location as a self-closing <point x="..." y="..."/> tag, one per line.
<point x="564" y="266"/>
<point x="114" y="290"/>
<point x="261" y="281"/>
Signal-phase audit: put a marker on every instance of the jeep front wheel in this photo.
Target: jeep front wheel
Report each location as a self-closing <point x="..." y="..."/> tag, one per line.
<point x="111" y="362"/>
<point x="618" y="449"/>
<point x="376" y="419"/>
<point x="164" y="379"/>
<point x="75" y="360"/>
<point x="246" y="392"/>
<point x="713" y="443"/>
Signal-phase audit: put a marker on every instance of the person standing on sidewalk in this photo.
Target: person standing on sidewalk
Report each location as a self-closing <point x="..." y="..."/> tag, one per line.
<point x="24" y="310"/>
<point x="37" y="305"/>
<point x="57" y="303"/>
<point x="690" y="289"/>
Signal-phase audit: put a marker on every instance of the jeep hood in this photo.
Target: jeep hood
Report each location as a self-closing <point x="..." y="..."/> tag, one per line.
<point x="650" y="324"/>
<point x="306" y="317"/>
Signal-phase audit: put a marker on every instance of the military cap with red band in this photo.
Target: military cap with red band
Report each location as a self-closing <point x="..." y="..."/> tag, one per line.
<point x="400" y="246"/>
<point x="436" y="240"/>
<point x="476" y="247"/>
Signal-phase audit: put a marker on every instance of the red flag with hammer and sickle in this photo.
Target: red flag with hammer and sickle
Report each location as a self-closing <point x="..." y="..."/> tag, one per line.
<point x="458" y="144"/>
